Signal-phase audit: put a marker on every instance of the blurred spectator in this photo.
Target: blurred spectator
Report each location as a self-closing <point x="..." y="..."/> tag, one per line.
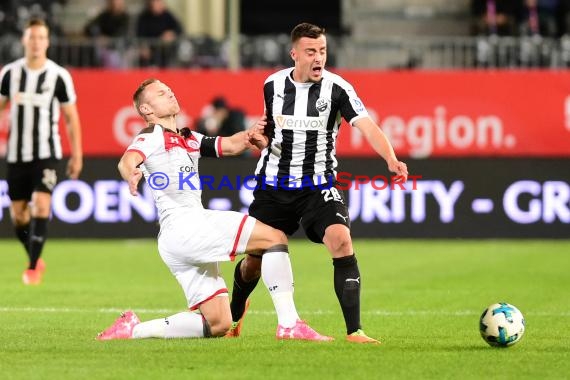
<point x="108" y="27"/>
<point x="218" y="119"/>
<point x="490" y="19"/>
<point x="541" y="17"/>
<point x="157" y="22"/>
<point x="112" y="21"/>
<point x="496" y="17"/>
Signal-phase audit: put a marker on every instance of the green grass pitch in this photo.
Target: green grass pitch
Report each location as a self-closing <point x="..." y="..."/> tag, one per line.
<point x="422" y="298"/>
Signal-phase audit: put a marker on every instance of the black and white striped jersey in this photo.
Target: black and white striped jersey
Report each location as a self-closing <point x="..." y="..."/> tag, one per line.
<point x="303" y="123"/>
<point x="35" y="97"/>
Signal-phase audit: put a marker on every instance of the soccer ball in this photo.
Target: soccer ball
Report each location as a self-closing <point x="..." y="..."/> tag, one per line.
<point x="501" y="325"/>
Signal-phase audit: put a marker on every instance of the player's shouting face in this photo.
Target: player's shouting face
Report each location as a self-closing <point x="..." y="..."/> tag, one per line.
<point x="310" y="56"/>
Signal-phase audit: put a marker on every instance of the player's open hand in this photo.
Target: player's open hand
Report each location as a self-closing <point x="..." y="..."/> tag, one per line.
<point x="254" y="136"/>
<point x="134" y="179"/>
<point x="401" y="170"/>
<point x="74" y="167"/>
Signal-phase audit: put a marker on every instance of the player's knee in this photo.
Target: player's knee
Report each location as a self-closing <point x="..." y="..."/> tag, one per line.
<point x="343" y="246"/>
<point x="276" y="237"/>
<point x="250" y="268"/>
<point x="339" y="245"/>
<point x="40" y="205"/>
<point x="264" y="237"/>
<point x="20" y="219"/>
<point x="41" y="211"/>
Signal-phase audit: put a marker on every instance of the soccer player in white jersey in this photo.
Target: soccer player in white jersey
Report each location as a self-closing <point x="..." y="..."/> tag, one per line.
<point x="296" y="172"/>
<point x="37" y="88"/>
<point x="193" y="240"/>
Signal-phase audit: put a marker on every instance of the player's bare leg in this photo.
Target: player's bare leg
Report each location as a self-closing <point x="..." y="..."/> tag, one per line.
<point x="218" y="315"/>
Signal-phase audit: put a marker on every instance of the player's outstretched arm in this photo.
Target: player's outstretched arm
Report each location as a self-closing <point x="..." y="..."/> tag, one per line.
<point x="380" y="143"/>
<point x="128" y="167"/>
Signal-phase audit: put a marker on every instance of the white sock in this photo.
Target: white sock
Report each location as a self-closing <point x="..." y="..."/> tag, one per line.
<point x="278" y="278"/>
<point x="181" y="325"/>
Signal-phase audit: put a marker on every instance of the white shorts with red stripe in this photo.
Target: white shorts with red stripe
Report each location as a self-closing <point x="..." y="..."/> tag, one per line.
<point x="193" y="242"/>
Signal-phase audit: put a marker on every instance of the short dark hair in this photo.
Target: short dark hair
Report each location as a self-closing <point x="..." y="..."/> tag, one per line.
<point x="219" y="102"/>
<point x="36" y="21"/>
<point x="139" y="91"/>
<point x="306" y="30"/>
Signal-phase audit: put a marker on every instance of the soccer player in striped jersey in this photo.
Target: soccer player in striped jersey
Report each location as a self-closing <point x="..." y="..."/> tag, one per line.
<point x="193" y="240"/>
<point x="37" y="88"/>
<point x="296" y="172"/>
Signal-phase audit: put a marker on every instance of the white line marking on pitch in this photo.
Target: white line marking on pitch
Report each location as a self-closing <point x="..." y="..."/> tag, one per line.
<point x="386" y="313"/>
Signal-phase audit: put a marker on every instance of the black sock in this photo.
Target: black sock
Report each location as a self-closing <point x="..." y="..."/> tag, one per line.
<point x="38" y="229"/>
<point x="347" y="288"/>
<point x="23" y="233"/>
<point x="240" y="292"/>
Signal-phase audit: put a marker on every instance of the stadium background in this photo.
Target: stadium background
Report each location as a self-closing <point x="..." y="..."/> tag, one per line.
<point x="484" y="121"/>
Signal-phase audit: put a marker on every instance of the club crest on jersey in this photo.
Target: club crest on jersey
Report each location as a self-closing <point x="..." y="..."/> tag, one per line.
<point x="193" y="144"/>
<point x="322" y="104"/>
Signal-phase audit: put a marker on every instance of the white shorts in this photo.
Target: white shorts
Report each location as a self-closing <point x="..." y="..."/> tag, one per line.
<point x="193" y="242"/>
<point x="201" y="283"/>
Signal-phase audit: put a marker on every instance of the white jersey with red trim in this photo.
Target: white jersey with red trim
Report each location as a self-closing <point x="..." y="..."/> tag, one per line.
<point x="192" y="239"/>
<point x="170" y="166"/>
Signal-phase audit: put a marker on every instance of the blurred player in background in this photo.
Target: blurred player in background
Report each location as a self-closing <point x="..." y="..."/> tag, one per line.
<point x="36" y="88"/>
<point x="296" y="172"/>
<point x="193" y="240"/>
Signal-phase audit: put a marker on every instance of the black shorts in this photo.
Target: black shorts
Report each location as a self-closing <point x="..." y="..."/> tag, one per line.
<point x="315" y="209"/>
<point x="24" y="178"/>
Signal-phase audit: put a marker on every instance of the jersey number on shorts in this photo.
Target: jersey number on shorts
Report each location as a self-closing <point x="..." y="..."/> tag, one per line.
<point x="331" y="194"/>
